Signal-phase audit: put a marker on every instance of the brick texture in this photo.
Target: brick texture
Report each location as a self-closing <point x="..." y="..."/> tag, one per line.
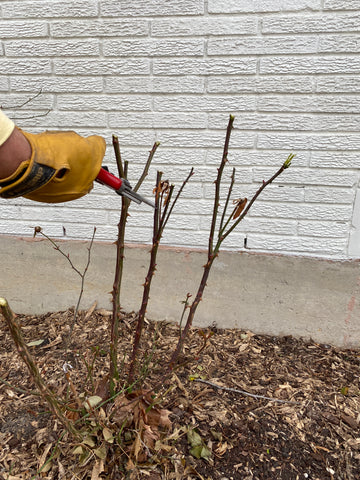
<point x="172" y="71"/>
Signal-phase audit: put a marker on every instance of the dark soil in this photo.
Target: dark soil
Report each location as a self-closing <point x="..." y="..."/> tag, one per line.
<point x="307" y="428"/>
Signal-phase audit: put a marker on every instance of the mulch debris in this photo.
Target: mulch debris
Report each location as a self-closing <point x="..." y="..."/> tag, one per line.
<point x="308" y="427"/>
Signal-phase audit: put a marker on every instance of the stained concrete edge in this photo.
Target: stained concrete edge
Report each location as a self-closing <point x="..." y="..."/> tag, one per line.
<point x="267" y="294"/>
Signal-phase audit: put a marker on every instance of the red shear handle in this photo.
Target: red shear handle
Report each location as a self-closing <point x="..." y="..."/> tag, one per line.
<point x="109" y="179"/>
<point x="121" y="186"/>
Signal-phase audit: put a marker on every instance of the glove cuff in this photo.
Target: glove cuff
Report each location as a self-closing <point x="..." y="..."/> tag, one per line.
<point x="29" y="176"/>
<point x="26" y="179"/>
<point x="62" y="167"/>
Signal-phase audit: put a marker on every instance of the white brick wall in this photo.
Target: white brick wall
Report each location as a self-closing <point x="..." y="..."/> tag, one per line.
<point x="172" y="71"/>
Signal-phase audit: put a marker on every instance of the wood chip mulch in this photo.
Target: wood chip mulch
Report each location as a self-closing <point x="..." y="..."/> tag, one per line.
<point x="313" y="432"/>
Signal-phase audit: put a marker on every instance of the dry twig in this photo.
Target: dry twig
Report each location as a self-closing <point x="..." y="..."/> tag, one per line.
<point x="242" y="392"/>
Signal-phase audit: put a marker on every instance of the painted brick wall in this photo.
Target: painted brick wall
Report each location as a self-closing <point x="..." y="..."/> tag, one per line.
<point x="172" y="71"/>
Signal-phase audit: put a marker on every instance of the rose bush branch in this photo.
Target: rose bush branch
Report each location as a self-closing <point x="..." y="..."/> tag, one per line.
<point x="237" y="215"/>
<point x="119" y="265"/>
<point x="163" y="209"/>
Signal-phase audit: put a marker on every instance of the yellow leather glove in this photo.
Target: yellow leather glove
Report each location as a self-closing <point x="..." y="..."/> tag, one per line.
<point x="62" y="167"/>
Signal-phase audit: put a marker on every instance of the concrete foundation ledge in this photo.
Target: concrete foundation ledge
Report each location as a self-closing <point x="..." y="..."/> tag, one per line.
<point x="267" y="294"/>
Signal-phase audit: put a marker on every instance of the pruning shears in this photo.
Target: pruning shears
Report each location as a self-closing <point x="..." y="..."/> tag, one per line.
<point x="121" y="186"/>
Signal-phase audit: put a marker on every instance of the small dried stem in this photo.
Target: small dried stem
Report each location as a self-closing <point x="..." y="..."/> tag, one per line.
<point x="30" y="117"/>
<point x="82" y="275"/>
<point x="242" y="392"/>
<point x="29" y="100"/>
<point x="147" y="166"/>
<point x="191" y="173"/>
<point x="57" y="248"/>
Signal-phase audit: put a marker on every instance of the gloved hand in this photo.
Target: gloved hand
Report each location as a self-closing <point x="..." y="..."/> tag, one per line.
<point x="62" y="167"/>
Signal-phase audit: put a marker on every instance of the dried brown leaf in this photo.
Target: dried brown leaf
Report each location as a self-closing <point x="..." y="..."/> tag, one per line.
<point x="45" y="467"/>
<point x="90" y="311"/>
<point x="240" y="207"/>
<point x="98" y="468"/>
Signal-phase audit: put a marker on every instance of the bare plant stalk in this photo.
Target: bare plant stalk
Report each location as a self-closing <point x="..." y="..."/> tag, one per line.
<point x="29" y="100"/>
<point x="192" y="310"/>
<point x="224" y="231"/>
<point x="82" y="275"/>
<point x="115" y="319"/>
<point x="147" y="166"/>
<point x="119" y="266"/>
<point x="25" y="355"/>
<point x="218" y="183"/>
<point x="147" y="284"/>
<point x="222" y="227"/>
<point x="116" y="146"/>
<point x="125" y="203"/>
<point x="186" y="306"/>
<point x="264" y="184"/>
<point x="163" y="209"/>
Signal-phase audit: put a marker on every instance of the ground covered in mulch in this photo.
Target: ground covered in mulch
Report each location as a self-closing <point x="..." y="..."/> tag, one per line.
<point x="195" y="423"/>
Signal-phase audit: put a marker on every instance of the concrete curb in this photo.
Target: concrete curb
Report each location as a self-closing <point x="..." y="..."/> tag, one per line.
<point x="269" y="294"/>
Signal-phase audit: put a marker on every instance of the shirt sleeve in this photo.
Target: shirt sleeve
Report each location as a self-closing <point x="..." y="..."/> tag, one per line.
<point x="6" y="127"/>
